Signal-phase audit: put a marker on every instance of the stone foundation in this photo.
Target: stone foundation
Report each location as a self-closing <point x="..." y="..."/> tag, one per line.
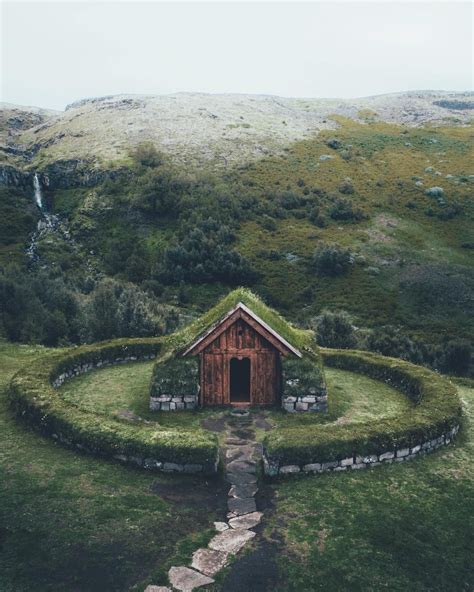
<point x="357" y="462"/>
<point x="316" y="402"/>
<point x="173" y="403"/>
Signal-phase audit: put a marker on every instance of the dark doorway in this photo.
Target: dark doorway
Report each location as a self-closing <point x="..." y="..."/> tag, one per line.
<point x="240" y="380"/>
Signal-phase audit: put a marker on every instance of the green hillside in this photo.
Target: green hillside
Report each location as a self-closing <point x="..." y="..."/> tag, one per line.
<point x="388" y="209"/>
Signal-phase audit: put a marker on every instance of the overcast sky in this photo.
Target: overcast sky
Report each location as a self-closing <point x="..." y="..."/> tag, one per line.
<point x="55" y="53"/>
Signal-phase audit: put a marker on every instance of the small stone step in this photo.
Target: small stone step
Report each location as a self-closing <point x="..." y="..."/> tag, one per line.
<point x="241" y="506"/>
<point x="241" y="465"/>
<point x="221" y="526"/>
<point x="243" y="490"/>
<point x="185" y="579"/>
<point x="231" y="541"/>
<point x="152" y="588"/>
<point x="239" y="478"/>
<point x="236" y="442"/>
<point x="209" y="561"/>
<point x="247" y="520"/>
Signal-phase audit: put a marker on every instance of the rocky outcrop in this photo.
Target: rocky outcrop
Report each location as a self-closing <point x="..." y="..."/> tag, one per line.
<point x="62" y="174"/>
<point x="13" y="177"/>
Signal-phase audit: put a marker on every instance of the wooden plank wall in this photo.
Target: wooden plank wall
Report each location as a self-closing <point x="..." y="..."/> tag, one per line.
<point x="240" y="340"/>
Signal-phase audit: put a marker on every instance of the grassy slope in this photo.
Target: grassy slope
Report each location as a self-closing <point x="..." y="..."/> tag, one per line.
<point x="398" y="240"/>
<point x="71" y="522"/>
<point x="398" y="527"/>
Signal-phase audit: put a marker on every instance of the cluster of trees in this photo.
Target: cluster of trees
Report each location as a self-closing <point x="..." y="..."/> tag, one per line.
<point x="39" y="308"/>
<point x="204" y="254"/>
<point x="331" y="260"/>
<point x="336" y="329"/>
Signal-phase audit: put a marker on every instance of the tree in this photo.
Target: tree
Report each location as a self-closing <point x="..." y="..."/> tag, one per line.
<point x="331" y="260"/>
<point x="335" y="329"/>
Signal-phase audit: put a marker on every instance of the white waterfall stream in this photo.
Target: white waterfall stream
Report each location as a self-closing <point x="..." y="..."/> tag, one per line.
<point x="38" y="194"/>
<point x="50" y="227"/>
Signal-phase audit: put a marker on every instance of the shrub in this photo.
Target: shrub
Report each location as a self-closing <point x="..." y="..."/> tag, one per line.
<point x="346" y="187"/>
<point x="335" y="329"/>
<point x="390" y="341"/>
<point x="331" y="260"/>
<point x="456" y="356"/>
<point x="317" y="218"/>
<point x="334" y="143"/>
<point x="289" y="200"/>
<point x="147" y="155"/>
<point x="343" y="209"/>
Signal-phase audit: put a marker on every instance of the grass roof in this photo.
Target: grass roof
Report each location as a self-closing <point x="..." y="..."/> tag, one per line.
<point x="299" y="338"/>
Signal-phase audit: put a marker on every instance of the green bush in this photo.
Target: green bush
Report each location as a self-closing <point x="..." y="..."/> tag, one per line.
<point x="331" y="260"/>
<point x="35" y="400"/>
<point x="335" y="329"/>
<point x="436" y="409"/>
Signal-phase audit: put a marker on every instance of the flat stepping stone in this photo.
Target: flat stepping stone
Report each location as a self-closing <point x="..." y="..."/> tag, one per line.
<point x="236" y="442"/>
<point x="221" y="526"/>
<point x="247" y="520"/>
<point x="243" y="490"/>
<point x="186" y="579"/>
<point x="245" y="452"/>
<point x="209" y="561"/>
<point x="241" y="465"/>
<point x="240" y="478"/>
<point x="241" y="505"/>
<point x="231" y="541"/>
<point x="152" y="588"/>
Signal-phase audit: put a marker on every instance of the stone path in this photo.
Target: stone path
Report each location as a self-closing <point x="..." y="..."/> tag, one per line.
<point x="241" y="457"/>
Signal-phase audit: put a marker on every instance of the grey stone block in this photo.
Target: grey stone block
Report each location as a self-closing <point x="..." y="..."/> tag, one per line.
<point x="289" y="399"/>
<point x="190" y="468"/>
<point x="312" y="467"/>
<point x="172" y="467"/>
<point x="415" y="449"/>
<point x="289" y="407"/>
<point x="287" y="469"/>
<point x="387" y="456"/>
<point x="329" y="465"/>
<point x="403" y="452"/>
<point x="345" y="462"/>
<point x="308" y="399"/>
<point x="301" y="406"/>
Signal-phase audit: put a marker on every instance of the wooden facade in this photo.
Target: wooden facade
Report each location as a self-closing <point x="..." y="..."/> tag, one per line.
<point x="240" y="361"/>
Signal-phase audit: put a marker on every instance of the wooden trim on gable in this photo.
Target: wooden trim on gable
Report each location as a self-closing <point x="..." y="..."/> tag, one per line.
<point x="242" y="312"/>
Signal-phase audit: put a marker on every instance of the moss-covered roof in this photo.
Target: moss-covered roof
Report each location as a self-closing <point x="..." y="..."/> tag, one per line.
<point x="298" y="338"/>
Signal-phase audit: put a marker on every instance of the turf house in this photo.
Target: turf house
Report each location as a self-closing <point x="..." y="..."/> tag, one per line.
<point x="241" y="353"/>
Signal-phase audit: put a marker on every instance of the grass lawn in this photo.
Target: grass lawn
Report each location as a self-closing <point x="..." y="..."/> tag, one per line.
<point x="72" y="522"/>
<point x="396" y="527"/>
<point x="124" y="388"/>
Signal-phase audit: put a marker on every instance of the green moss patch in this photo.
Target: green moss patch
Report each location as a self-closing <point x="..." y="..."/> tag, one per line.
<point x="175" y="377"/>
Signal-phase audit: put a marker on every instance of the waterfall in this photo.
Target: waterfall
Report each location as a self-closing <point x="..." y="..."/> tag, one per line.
<point x="38" y="194"/>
